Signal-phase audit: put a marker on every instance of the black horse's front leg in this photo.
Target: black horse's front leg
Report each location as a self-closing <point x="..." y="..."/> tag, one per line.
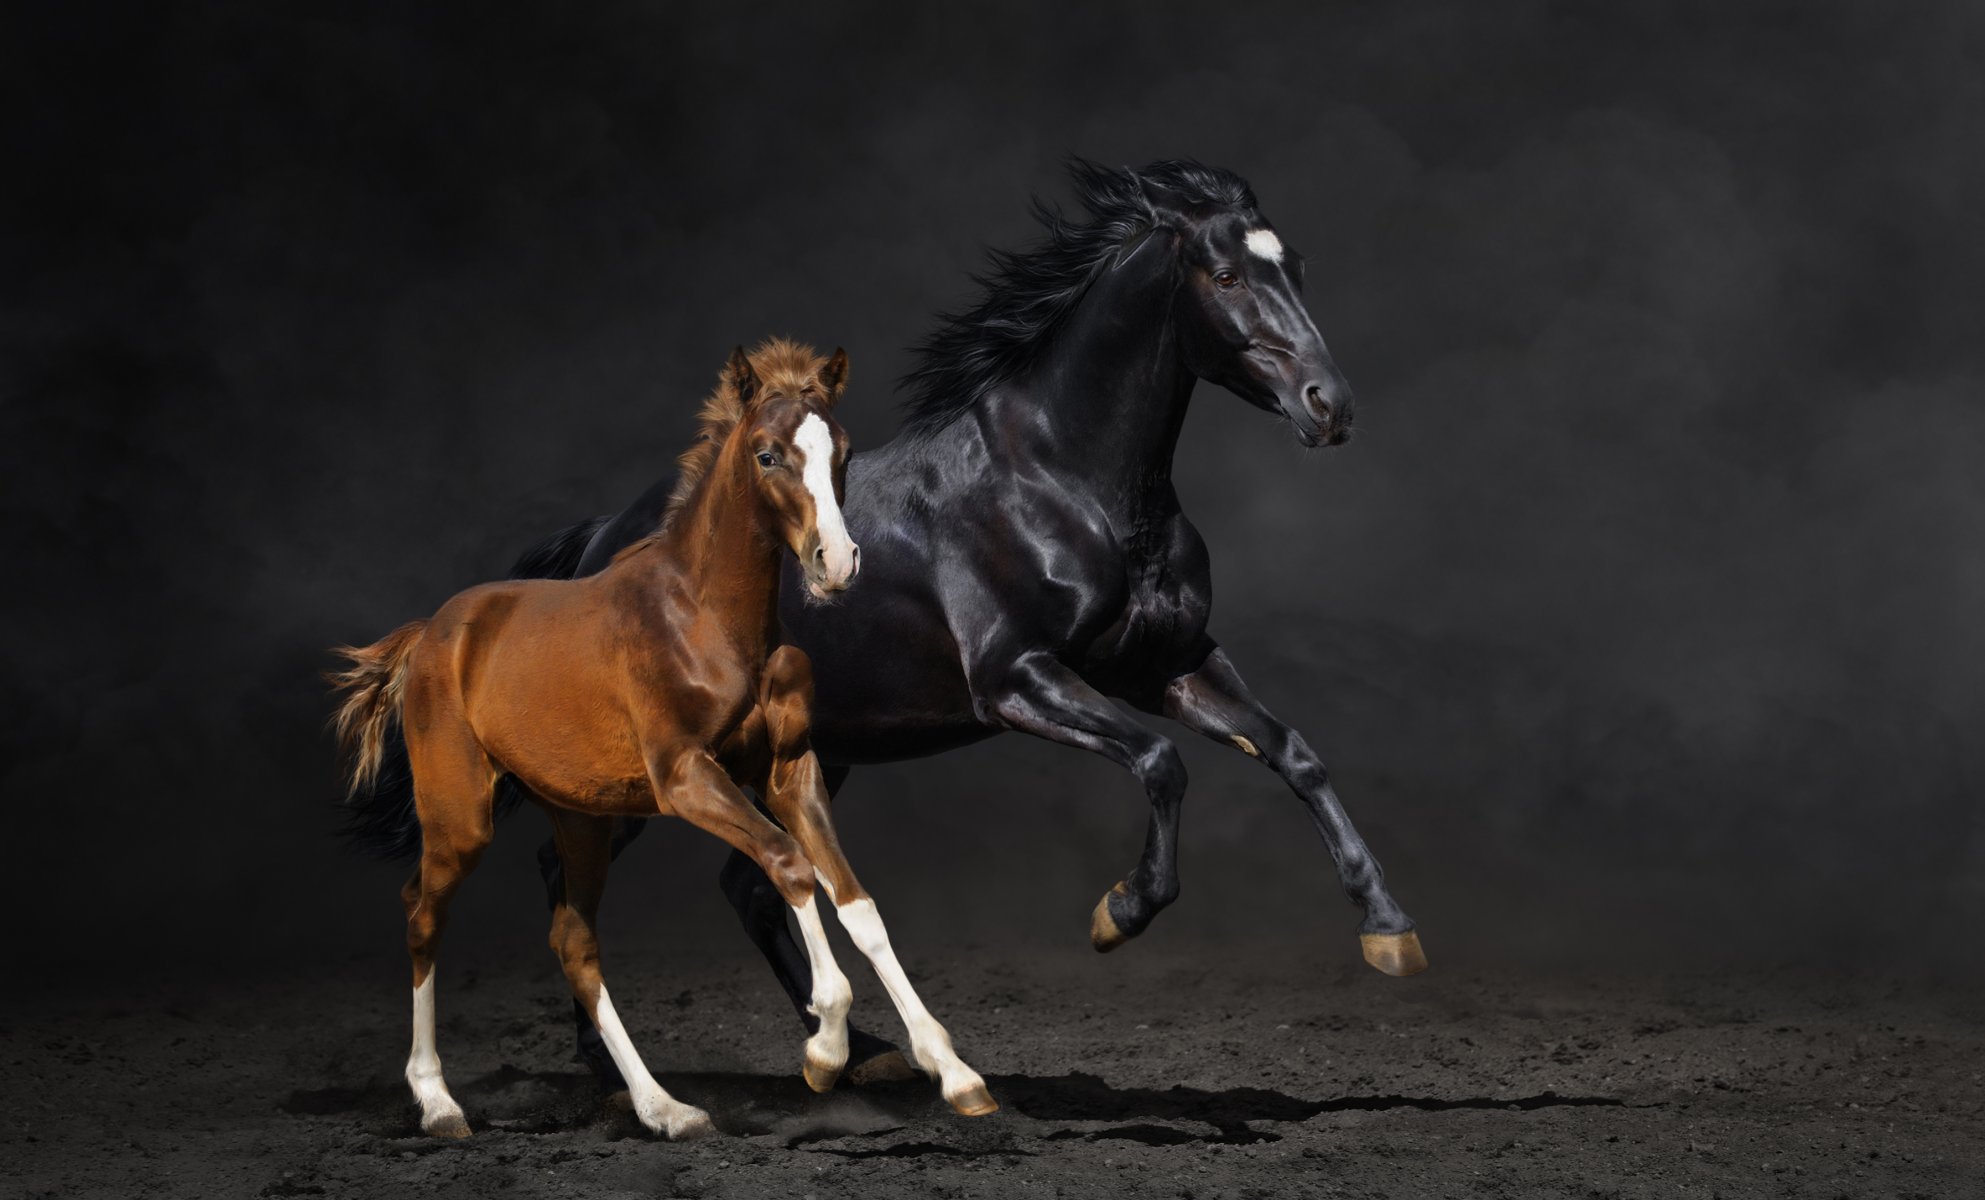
<point x="1041" y="696"/>
<point x="1213" y="700"/>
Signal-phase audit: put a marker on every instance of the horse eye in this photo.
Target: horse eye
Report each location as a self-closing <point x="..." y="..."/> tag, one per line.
<point x="767" y="459"/>
<point x="1226" y="279"/>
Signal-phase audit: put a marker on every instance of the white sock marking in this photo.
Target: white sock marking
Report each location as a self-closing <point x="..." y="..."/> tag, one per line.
<point x="1263" y="243"/>
<point x="816" y="447"/>
<point x="424" y="1063"/>
<point x="930" y="1045"/>
<point x="832" y="996"/>
<point x="657" y="1109"/>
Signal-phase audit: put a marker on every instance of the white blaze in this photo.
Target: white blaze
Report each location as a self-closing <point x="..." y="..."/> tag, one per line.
<point x="816" y="447"/>
<point x="1264" y="244"/>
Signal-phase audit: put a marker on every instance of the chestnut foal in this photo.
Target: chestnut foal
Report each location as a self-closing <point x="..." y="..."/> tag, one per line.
<point x="655" y="686"/>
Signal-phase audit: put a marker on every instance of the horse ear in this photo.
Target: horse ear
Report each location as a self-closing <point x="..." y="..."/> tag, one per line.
<point x="741" y="378"/>
<point x="1167" y="206"/>
<point x="834" y="376"/>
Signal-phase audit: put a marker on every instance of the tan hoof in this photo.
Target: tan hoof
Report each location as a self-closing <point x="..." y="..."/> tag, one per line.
<point x="689" y="1128"/>
<point x="887" y="1067"/>
<point x="448" y="1125"/>
<point x="1103" y="931"/>
<point x="819" y="1076"/>
<point x="1394" y="953"/>
<point x="974" y="1102"/>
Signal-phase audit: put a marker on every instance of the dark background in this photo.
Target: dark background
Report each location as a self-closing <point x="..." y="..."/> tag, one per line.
<point x="1640" y="623"/>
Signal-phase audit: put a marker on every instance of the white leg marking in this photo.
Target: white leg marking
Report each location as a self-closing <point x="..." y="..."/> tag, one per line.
<point x="930" y="1045"/>
<point x="658" y="1110"/>
<point x="816" y="447"/>
<point x="827" y="1049"/>
<point x="1263" y="243"/>
<point x="438" y="1111"/>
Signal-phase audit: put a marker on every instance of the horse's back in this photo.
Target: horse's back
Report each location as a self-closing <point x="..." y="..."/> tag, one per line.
<point x="526" y="661"/>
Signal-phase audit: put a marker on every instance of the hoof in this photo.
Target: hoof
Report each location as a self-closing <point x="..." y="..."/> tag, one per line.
<point x="1104" y="932"/>
<point x="820" y="1076"/>
<point x="1396" y="954"/>
<point x="974" y="1101"/>
<point x="447" y="1125"/>
<point x="888" y="1067"/>
<point x="691" y="1125"/>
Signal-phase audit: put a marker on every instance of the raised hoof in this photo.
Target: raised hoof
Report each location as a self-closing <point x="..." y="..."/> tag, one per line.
<point x="447" y="1125"/>
<point x="1397" y="954"/>
<point x="974" y="1102"/>
<point x="819" y="1076"/>
<point x="887" y="1067"/>
<point x="1104" y="932"/>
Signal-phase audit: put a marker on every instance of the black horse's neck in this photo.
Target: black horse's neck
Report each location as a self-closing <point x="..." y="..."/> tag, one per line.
<point x="1102" y="406"/>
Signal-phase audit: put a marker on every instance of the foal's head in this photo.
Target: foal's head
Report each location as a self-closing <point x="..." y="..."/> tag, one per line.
<point x="795" y="454"/>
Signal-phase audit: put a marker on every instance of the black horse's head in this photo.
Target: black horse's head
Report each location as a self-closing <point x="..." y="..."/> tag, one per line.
<point x="1233" y="288"/>
<point x="1239" y="306"/>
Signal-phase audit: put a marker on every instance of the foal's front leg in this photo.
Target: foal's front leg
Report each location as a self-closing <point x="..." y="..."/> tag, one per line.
<point x="1213" y="700"/>
<point x="702" y="793"/>
<point x="797" y="796"/>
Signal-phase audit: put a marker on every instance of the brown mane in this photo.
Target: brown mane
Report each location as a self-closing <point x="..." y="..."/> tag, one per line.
<point x="783" y="367"/>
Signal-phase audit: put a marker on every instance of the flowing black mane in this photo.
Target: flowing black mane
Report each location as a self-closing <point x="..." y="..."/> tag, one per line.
<point x="1026" y="294"/>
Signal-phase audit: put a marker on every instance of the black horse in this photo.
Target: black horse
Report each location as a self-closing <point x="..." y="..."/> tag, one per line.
<point x="1025" y="558"/>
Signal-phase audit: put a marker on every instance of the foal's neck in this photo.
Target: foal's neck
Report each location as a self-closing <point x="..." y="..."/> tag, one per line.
<point x="725" y="550"/>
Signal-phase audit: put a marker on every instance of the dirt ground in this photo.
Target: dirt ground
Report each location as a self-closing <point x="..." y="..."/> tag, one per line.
<point x="1216" y="1073"/>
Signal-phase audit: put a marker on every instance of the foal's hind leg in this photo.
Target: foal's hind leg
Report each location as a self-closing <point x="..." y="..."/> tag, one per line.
<point x="453" y="797"/>
<point x="583" y="844"/>
<point x="590" y="1047"/>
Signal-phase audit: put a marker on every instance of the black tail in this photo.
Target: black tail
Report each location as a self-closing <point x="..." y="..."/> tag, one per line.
<point x="380" y="815"/>
<point x="557" y="557"/>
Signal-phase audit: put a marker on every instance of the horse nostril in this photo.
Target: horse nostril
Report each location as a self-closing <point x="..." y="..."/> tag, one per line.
<point x="858" y="561"/>
<point x="820" y="555"/>
<point x="1319" y="407"/>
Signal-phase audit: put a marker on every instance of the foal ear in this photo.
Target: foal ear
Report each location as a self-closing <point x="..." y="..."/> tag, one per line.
<point x="834" y="376"/>
<point x="741" y="378"/>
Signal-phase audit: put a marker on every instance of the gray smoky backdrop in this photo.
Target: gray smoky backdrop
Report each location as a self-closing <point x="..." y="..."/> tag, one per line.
<point x="1640" y="623"/>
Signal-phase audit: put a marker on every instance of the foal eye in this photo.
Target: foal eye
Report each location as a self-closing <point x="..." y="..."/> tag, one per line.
<point x="1226" y="279"/>
<point x="767" y="459"/>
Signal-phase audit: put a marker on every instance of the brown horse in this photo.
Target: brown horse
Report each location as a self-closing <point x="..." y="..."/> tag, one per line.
<point x="655" y="686"/>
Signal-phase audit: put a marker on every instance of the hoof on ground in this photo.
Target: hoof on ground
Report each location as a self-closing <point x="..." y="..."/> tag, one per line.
<point x="1394" y="953"/>
<point x="821" y="1077"/>
<point x="974" y="1101"/>
<point x="447" y="1125"/>
<point x="888" y="1067"/>
<point x="689" y="1126"/>
<point x="1104" y="932"/>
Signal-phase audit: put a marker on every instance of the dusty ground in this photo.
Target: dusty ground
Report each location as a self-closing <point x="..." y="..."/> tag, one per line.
<point x="1161" y="1074"/>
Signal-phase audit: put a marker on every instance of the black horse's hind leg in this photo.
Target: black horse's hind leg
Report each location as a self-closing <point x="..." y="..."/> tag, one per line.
<point x="1041" y="696"/>
<point x="592" y="1048"/>
<point x="763" y="912"/>
<point x="1214" y="701"/>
